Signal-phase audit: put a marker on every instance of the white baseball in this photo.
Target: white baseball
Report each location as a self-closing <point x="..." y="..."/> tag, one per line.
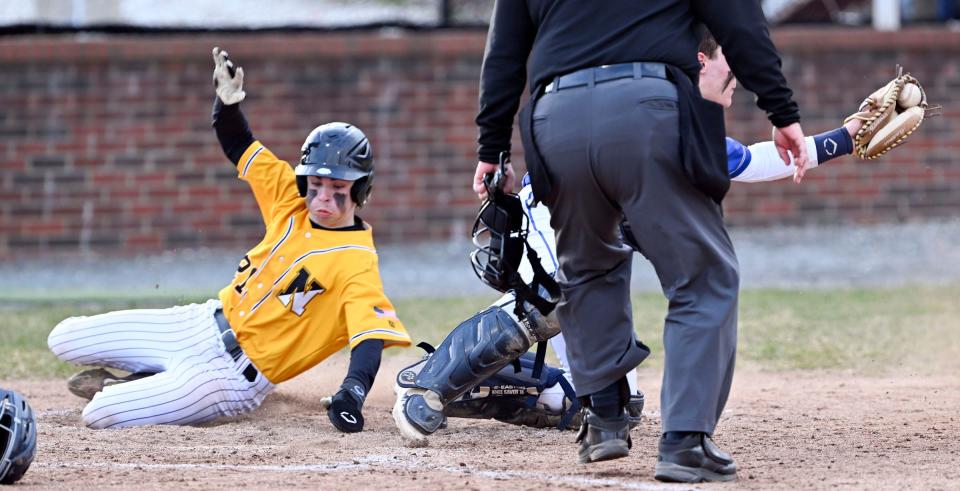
<point x="909" y="96"/>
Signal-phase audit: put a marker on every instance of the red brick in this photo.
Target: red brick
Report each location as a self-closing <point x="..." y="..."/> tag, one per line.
<point x="42" y="227"/>
<point x="144" y="241"/>
<point x="414" y="93"/>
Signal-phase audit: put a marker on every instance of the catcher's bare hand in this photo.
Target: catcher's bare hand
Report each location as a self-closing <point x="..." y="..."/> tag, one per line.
<point x="227" y="78"/>
<point x="484" y="168"/>
<point x="790" y="139"/>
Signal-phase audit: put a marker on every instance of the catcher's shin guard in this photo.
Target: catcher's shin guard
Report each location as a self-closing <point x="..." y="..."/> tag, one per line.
<point x="476" y="349"/>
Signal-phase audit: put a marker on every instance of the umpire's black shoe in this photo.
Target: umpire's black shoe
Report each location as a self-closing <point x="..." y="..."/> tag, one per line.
<point x="694" y="458"/>
<point x="603" y="438"/>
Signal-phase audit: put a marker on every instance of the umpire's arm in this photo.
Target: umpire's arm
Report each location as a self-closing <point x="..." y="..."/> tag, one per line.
<point x="740" y="27"/>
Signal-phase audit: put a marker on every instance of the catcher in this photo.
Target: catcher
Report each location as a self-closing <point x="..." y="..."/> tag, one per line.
<point x="309" y="288"/>
<point x="453" y="383"/>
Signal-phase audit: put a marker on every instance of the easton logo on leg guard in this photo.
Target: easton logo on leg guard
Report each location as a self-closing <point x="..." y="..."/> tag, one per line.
<point x="349" y="418"/>
<point x="300" y="291"/>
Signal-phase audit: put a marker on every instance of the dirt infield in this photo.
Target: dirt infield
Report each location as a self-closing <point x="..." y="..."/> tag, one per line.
<point x="787" y="430"/>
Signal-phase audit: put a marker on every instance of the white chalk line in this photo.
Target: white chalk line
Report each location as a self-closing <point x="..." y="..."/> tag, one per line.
<point x="365" y="463"/>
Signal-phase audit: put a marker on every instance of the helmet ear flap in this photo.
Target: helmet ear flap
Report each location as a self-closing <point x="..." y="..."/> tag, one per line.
<point x="302" y="186"/>
<point x="360" y="191"/>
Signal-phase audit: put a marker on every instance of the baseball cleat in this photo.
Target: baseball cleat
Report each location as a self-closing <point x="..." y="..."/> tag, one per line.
<point x="87" y="383"/>
<point x="414" y="415"/>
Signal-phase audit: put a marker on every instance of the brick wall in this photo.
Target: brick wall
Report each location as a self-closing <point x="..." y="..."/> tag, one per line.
<point x="105" y="142"/>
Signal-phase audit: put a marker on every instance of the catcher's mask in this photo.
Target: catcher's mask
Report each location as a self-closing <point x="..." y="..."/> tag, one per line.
<point x="18" y="436"/>
<point x="500" y="237"/>
<point x="338" y="151"/>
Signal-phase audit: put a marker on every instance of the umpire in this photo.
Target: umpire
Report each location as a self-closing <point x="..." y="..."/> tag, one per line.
<point x="616" y="127"/>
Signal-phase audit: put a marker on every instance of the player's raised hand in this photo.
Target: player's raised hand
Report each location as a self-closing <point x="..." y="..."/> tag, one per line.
<point x="227" y="78"/>
<point x="790" y="139"/>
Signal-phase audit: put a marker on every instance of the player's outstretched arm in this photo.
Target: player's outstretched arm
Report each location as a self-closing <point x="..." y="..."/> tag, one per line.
<point x="762" y="162"/>
<point x="345" y="407"/>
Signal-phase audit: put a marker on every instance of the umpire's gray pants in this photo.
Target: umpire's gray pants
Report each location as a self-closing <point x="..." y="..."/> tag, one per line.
<point x="613" y="149"/>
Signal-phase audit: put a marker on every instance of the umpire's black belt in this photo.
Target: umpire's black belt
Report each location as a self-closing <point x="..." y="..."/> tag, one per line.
<point x="231" y="345"/>
<point x="606" y="73"/>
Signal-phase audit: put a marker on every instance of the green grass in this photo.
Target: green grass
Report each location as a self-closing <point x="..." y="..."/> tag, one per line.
<point x="870" y="331"/>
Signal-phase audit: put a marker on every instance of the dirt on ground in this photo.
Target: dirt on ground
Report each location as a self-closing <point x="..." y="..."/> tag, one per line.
<point x="786" y="430"/>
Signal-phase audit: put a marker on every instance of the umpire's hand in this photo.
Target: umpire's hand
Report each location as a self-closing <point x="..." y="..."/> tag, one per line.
<point x="790" y="138"/>
<point x="484" y="168"/>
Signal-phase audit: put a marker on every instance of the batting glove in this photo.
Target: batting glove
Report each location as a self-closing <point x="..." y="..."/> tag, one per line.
<point x="227" y="78"/>
<point x="343" y="409"/>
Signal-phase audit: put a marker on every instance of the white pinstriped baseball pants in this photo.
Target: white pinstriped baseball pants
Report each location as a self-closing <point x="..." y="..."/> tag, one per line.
<point x="196" y="380"/>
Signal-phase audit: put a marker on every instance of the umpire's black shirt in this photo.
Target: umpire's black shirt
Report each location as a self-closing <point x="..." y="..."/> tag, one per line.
<point x="562" y="36"/>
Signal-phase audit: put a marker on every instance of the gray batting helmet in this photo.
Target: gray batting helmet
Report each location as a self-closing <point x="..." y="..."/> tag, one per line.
<point x="18" y="436"/>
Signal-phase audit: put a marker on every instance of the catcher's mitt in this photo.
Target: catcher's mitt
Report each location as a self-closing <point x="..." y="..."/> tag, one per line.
<point x="889" y="116"/>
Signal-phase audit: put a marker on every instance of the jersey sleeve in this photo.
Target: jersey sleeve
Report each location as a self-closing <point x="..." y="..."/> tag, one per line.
<point x="763" y="162"/>
<point x="369" y="313"/>
<point x="272" y="180"/>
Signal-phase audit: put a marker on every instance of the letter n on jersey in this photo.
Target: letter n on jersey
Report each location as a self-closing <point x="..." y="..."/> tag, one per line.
<point x="300" y="291"/>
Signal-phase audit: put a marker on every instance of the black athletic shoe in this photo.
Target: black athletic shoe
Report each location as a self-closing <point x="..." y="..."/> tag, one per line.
<point x="603" y="438"/>
<point x="634" y="413"/>
<point x="694" y="458"/>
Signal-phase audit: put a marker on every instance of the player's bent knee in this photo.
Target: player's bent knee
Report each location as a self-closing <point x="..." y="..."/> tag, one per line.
<point x="60" y="339"/>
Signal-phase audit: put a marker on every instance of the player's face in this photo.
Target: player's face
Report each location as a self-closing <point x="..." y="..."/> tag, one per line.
<point x="716" y="80"/>
<point x="329" y="203"/>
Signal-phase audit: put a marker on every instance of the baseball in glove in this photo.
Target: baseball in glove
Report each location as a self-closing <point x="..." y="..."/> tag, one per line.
<point x="889" y="116"/>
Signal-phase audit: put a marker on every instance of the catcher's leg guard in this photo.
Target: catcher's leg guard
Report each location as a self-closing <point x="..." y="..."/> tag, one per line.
<point x="516" y="397"/>
<point x="473" y="351"/>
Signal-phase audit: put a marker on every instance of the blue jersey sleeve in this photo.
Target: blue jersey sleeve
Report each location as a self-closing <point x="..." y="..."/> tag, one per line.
<point x="738" y="157"/>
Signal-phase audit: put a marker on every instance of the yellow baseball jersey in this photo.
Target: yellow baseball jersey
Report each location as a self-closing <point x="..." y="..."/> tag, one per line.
<point x="303" y="293"/>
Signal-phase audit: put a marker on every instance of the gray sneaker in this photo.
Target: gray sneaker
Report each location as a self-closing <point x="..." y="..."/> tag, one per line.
<point x="87" y="383"/>
<point x="603" y="438"/>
